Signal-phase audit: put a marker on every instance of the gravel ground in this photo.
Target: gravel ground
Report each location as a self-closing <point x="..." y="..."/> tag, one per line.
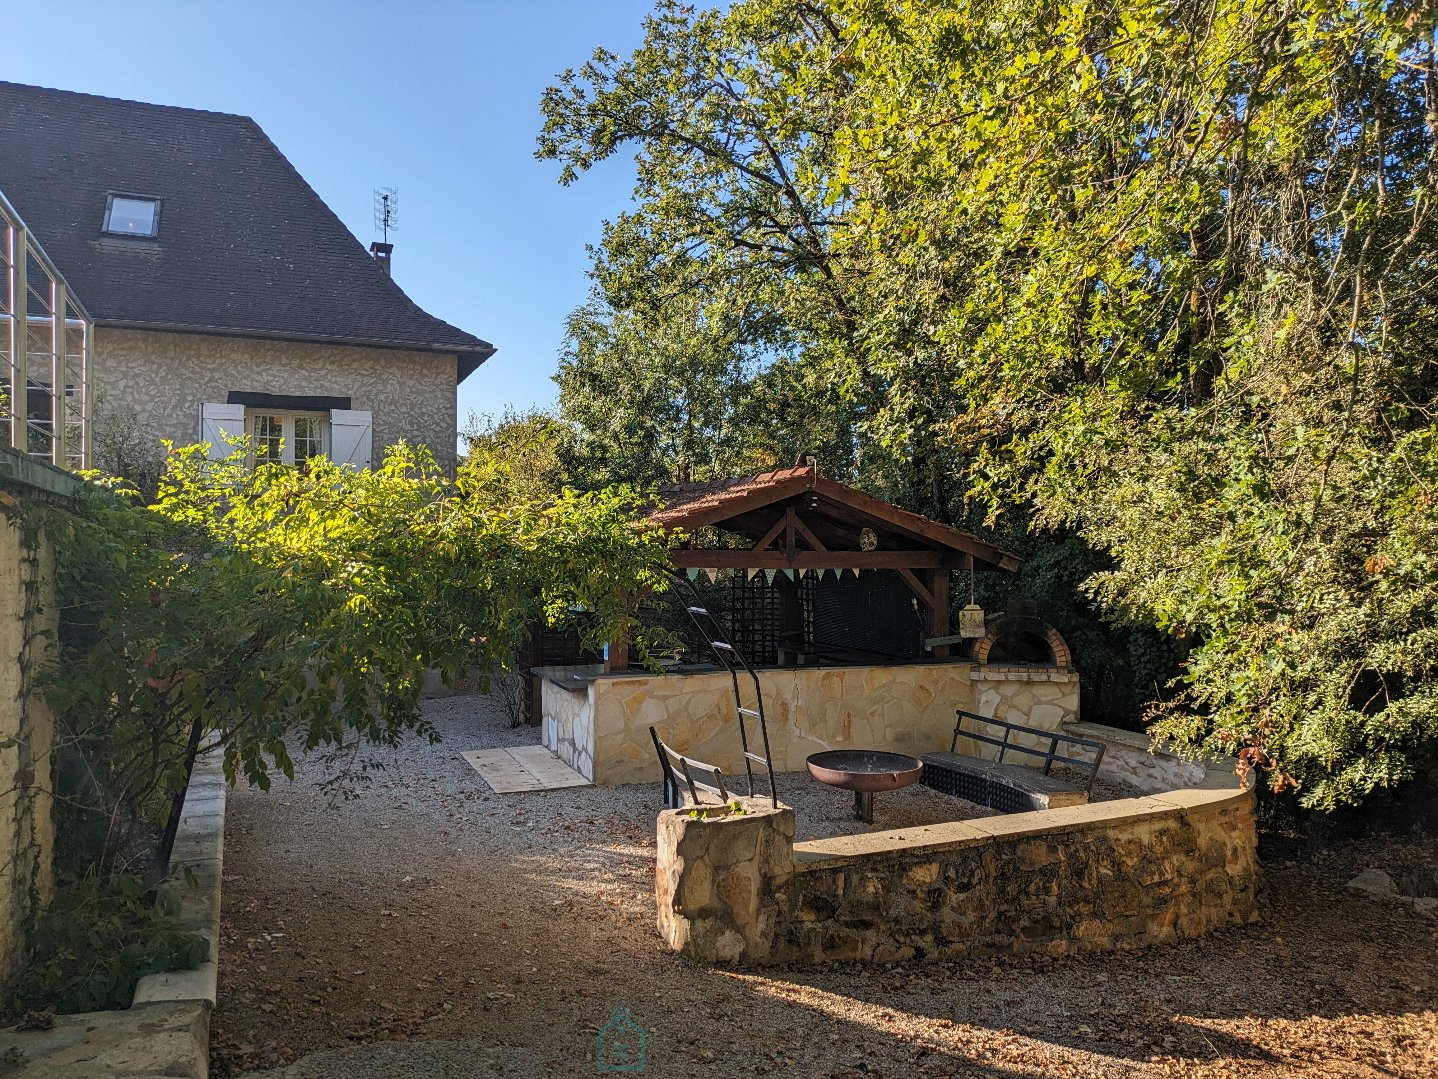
<point x="431" y="928"/>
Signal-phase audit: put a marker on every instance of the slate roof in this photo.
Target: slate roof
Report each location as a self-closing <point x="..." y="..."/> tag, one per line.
<point x="245" y="245"/>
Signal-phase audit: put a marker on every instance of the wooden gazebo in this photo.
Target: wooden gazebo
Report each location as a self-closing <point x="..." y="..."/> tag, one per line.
<point x="800" y="520"/>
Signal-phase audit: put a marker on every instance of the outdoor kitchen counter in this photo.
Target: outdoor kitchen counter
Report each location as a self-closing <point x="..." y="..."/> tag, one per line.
<point x="598" y="723"/>
<point x="578" y="677"/>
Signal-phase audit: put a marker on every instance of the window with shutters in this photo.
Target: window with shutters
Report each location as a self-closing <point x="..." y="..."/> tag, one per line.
<point x="290" y="438"/>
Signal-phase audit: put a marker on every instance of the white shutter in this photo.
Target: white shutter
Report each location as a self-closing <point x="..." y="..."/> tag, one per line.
<point x="218" y="421"/>
<point x="351" y="437"/>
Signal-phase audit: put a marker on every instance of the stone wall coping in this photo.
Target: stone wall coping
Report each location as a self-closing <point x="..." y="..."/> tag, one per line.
<point x="755" y="806"/>
<point x="1220" y="773"/>
<point x="199" y="848"/>
<point x="994" y="672"/>
<point x="561" y="676"/>
<point x="827" y="853"/>
<point x="21" y="470"/>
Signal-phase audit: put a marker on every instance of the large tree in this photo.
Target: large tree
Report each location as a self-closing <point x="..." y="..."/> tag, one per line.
<point x="1159" y="276"/>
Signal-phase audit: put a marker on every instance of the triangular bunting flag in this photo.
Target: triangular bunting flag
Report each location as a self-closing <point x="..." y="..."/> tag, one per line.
<point x="770" y="574"/>
<point x="692" y="573"/>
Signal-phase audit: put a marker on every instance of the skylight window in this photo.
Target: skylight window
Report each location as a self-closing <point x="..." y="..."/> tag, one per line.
<point x="132" y="215"/>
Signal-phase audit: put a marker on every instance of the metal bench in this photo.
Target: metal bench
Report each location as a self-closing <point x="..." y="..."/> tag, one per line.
<point x="680" y="778"/>
<point x="1012" y="788"/>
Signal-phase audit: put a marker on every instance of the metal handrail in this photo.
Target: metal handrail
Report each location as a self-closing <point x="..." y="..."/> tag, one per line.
<point x="733" y="660"/>
<point x="1050" y="756"/>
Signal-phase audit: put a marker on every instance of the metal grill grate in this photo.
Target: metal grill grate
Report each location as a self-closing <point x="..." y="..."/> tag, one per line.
<point x="985" y="790"/>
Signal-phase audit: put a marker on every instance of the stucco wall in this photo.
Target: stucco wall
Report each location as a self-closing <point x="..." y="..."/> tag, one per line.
<point x="27" y="833"/>
<point x="165" y="377"/>
<point x="1105" y="876"/>
<point x="603" y="732"/>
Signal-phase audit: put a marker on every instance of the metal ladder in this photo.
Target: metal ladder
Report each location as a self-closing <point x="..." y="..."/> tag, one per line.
<point x="733" y="661"/>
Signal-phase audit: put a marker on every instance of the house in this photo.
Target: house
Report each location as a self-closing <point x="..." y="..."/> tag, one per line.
<point x="227" y="298"/>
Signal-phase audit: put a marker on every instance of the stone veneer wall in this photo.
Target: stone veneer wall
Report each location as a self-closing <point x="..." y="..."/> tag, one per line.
<point x="1129" y="758"/>
<point x="1110" y="875"/>
<point x="603" y="732"/>
<point x="567" y="726"/>
<point x="165" y="377"/>
<point x="28" y="620"/>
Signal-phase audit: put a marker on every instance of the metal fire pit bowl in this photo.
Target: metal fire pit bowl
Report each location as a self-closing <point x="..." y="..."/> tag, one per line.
<point x="865" y="771"/>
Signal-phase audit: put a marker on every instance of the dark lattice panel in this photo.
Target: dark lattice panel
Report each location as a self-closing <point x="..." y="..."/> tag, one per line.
<point x="874" y="612"/>
<point x="669" y="615"/>
<point x="548" y="646"/>
<point x="754" y="619"/>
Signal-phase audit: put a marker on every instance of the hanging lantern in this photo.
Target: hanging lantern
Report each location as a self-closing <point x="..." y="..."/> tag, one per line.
<point x="971" y="621"/>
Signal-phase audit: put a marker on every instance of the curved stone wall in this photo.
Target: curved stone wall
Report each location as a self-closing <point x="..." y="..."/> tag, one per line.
<point x="1104" y="876"/>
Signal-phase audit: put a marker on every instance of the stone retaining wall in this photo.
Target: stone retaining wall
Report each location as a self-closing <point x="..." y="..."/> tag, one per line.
<point x="1110" y="875"/>
<point x="602" y="730"/>
<point x="166" y="1031"/>
<point x="28" y="621"/>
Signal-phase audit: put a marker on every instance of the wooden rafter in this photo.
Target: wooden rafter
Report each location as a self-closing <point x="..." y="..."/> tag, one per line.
<point x="732" y="558"/>
<point x="925" y="596"/>
<point x="770" y="536"/>
<point x="803" y="530"/>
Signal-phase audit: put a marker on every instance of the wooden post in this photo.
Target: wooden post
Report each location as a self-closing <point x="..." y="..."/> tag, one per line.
<point x="616" y="656"/>
<point x="939" y="612"/>
<point x="791" y="614"/>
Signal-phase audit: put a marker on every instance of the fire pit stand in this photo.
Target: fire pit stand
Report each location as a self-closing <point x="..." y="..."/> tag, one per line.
<point x="865" y="771"/>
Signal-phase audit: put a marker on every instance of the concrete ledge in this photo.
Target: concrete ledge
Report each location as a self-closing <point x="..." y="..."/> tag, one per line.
<point x="198" y="855"/>
<point x="1137" y="759"/>
<point x="825" y="853"/>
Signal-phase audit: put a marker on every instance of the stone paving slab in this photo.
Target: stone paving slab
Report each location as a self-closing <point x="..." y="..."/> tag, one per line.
<point x="169" y="1039"/>
<point x="523" y="768"/>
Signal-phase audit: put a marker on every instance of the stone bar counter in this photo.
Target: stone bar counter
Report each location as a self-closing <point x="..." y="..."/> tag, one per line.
<point x="598" y="723"/>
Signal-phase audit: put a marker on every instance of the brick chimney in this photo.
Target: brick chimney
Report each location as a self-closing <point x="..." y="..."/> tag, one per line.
<point x="382" y="253"/>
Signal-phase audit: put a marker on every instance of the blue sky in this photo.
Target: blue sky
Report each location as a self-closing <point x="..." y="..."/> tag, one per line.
<point x="439" y="98"/>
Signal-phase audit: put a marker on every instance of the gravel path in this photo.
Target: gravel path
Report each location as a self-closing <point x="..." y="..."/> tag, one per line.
<point x="431" y="928"/>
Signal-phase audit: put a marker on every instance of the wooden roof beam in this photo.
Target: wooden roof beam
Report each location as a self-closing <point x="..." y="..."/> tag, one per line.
<point x="732" y="558"/>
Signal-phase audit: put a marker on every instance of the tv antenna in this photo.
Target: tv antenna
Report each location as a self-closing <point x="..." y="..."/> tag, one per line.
<point x="386" y="211"/>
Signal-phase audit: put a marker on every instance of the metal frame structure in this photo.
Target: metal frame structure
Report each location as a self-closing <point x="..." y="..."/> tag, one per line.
<point x="46" y="345"/>
<point x="1049" y="756"/>
<point x="732" y="660"/>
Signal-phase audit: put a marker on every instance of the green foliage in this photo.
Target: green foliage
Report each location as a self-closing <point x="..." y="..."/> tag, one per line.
<point x="100" y="935"/>
<point x="521" y="457"/>
<point x="1153" y="281"/>
<point x="716" y="299"/>
<point x="295" y="609"/>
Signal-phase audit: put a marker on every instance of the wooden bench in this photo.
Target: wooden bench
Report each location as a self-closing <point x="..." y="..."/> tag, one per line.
<point x="1012" y="788"/>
